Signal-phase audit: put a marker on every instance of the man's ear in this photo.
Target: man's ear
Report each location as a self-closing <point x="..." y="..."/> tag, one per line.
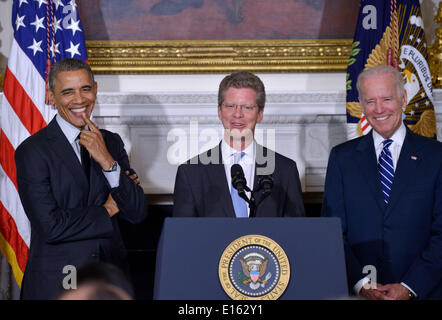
<point x="51" y="97"/>
<point x="219" y="113"/>
<point x="260" y="115"/>
<point x="404" y="100"/>
<point x="361" y="105"/>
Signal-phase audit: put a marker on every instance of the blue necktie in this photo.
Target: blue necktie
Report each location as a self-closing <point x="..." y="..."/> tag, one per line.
<point x="239" y="204"/>
<point x="386" y="170"/>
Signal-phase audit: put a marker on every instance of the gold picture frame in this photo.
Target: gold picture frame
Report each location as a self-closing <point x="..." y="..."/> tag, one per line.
<point x="218" y="56"/>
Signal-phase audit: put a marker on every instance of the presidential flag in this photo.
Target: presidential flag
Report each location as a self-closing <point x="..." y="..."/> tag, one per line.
<point x="392" y="33"/>
<point x="45" y="31"/>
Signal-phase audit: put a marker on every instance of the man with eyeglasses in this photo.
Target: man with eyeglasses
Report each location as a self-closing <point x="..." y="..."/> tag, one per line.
<point x="203" y="185"/>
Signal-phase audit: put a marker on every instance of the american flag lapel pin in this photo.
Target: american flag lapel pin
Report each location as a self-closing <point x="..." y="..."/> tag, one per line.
<point x="413" y="158"/>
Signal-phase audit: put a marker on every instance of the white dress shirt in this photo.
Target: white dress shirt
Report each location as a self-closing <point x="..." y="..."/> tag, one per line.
<point x="395" y="149"/>
<point x="247" y="162"/>
<point x="71" y="133"/>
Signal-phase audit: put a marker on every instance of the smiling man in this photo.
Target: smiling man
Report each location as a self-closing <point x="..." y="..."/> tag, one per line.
<point x="203" y="185"/>
<point x="387" y="189"/>
<point x="74" y="181"/>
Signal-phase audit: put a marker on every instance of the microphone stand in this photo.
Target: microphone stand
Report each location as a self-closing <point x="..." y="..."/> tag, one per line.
<point x="265" y="182"/>
<point x="252" y="204"/>
<point x="252" y="201"/>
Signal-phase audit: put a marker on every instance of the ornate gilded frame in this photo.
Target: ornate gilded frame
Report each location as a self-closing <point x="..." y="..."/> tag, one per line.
<point x="220" y="56"/>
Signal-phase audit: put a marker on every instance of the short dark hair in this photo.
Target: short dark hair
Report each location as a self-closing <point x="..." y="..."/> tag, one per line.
<point x="107" y="273"/>
<point x="243" y="79"/>
<point x="68" y="64"/>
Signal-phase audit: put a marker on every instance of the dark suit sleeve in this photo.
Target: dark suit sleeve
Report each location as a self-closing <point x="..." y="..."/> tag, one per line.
<point x="53" y="223"/>
<point x="426" y="271"/>
<point x="294" y="205"/>
<point x="183" y="201"/>
<point x="333" y="205"/>
<point x="128" y="195"/>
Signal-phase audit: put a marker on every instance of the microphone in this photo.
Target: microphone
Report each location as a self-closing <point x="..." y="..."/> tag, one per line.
<point x="238" y="180"/>
<point x="266" y="184"/>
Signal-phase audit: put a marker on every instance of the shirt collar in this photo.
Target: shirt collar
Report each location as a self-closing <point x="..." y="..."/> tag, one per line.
<point x="71" y="132"/>
<point x="228" y="152"/>
<point x="398" y="137"/>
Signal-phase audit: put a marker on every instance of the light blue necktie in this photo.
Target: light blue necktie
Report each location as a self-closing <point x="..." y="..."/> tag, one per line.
<point x="239" y="204"/>
<point x="386" y="170"/>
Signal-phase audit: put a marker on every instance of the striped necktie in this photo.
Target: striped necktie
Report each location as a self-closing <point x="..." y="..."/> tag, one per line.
<point x="239" y="204"/>
<point x="386" y="170"/>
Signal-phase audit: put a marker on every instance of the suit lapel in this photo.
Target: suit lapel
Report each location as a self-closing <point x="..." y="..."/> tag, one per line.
<point x="408" y="161"/>
<point x="366" y="159"/>
<point x="217" y="175"/>
<point x="61" y="147"/>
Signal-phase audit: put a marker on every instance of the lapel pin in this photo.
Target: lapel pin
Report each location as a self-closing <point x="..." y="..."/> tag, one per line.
<point x="413" y="157"/>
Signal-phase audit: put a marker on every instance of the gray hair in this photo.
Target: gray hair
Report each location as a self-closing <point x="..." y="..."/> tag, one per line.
<point x="378" y="71"/>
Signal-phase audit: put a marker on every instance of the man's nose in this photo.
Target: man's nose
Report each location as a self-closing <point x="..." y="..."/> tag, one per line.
<point x="78" y="98"/>
<point x="378" y="107"/>
<point x="238" y="111"/>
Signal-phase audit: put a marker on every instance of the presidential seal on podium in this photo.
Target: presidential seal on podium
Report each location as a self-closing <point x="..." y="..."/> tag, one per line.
<point x="254" y="267"/>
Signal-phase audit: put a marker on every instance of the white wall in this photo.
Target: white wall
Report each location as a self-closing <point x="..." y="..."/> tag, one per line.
<point x="210" y="82"/>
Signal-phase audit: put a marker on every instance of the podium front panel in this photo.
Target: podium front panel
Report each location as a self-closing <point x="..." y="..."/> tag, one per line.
<point x="190" y="250"/>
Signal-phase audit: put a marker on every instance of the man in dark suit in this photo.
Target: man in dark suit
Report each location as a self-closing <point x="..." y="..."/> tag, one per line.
<point x="74" y="184"/>
<point x="203" y="185"/>
<point x="387" y="189"/>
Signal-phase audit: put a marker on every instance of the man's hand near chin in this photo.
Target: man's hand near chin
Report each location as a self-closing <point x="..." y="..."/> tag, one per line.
<point x="93" y="141"/>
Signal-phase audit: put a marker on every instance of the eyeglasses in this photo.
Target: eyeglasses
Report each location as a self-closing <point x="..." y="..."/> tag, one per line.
<point x="242" y="107"/>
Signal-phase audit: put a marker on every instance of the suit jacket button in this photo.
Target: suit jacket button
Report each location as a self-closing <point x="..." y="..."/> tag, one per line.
<point x="94" y="255"/>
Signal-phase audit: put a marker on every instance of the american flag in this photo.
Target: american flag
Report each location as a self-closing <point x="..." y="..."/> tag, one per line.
<point x="45" y="31"/>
